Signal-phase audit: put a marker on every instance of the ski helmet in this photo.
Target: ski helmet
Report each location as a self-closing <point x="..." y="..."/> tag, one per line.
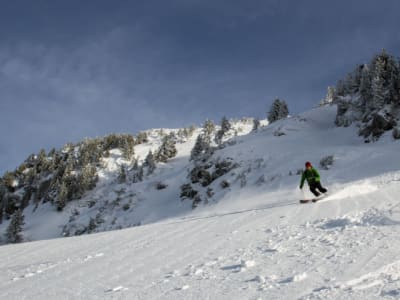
<point x="308" y="164"/>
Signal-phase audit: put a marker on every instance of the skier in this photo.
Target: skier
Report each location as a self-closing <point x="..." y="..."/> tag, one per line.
<point x="313" y="180"/>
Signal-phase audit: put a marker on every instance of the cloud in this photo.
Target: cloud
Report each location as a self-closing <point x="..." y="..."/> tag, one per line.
<point x="158" y="64"/>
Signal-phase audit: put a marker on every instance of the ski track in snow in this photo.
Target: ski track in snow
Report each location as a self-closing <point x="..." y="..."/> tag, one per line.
<point x="245" y="258"/>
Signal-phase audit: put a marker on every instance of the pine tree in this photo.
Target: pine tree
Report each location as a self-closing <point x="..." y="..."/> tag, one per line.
<point x="225" y="127"/>
<point x="279" y="110"/>
<point x="9" y="180"/>
<point x="122" y="175"/>
<point x="349" y="84"/>
<point x="14" y="229"/>
<point x="208" y="127"/>
<point x="384" y="80"/>
<point x="340" y="88"/>
<point x="256" y="124"/>
<point x="225" y="124"/>
<point x="201" y="147"/>
<point x="43" y="164"/>
<point x="167" y="149"/>
<point x="128" y="148"/>
<point x="330" y="95"/>
<point x="138" y="174"/>
<point x="63" y="195"/>
<point x="142" y="137"/>
<point x="365" y="85"/>
<point x="378" y="85"/>
<point x="92" y="225"/>
<point x="149" y="162"/>
<point x="88" y="177"/>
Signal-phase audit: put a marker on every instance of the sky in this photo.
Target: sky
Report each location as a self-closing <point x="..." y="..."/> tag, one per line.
<point x="76" y="69"/>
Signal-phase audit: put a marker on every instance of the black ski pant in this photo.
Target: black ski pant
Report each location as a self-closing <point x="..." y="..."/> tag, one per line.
<point x="317" y="185"/>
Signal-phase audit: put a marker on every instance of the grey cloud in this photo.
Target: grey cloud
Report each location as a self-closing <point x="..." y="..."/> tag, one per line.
<point x="122" y="67"/>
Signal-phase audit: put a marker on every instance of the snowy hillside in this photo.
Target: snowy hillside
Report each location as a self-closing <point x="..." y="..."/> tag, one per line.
<point x="111" y="203"/>
<point x="250" y="239"/>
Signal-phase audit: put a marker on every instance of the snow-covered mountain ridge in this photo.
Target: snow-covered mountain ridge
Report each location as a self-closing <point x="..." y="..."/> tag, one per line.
<point x="249" y="240"/>
<point x="123" y="191"/>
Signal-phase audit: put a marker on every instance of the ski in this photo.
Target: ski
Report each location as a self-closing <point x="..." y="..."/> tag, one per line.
<point x="312" y="200"/>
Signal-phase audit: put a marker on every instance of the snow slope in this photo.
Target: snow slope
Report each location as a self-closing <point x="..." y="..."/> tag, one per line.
<point x="253" y="241"/>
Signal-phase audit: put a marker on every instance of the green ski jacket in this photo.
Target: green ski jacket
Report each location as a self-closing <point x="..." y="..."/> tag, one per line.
<point x="311" y="175"/>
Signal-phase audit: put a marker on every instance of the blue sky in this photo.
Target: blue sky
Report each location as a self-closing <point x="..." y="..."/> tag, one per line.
<point x="75" y="69"/>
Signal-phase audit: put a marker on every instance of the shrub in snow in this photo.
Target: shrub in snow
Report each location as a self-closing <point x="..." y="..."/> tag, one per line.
<point x="326" y="162"/>
<point x="260" y="180"/>
<point x="242" y="178"/>
<point x="222" y="167"/>
<point x="199" y="174"/>
<point x="99" y="218"/>
<point x="210" y="192"/>
<point x="161" y="186"/>
<point x="196" y="201"/>
<point x="92" y="225"/>
<point x="225" y="184"/>
<point x="91" y="203"/>
<point x="279" y="132"/>
<point x="187" y="191"/>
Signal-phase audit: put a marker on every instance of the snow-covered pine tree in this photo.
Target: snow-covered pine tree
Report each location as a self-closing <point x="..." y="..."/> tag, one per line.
<point x="138" y="174"/>
<point x="201" y="148"/>
<point x="43" y="164"/>
<point x="349" y="84"/>
<point x="208" y="127"/>
<point x="198" y="148"/>
<point x="128" y="147"/>
<point x="385" y="80"/>
<point x="340" y="88"/>
<point x="225" y="127"/>
<point x="167" y="149"/>
<point x="279" y="110"/>
<point x="365" y="85"/>
<point x="150" y="163"/>
<point x="62" y="197"/>
<point x="256" y="124"/>
<point x="142" y="137"/>
<point x="330" y="96"/>
<point x="88" y="177"/>
<point x="92" y="225"/>
<point x="393" y="74"/>
<point x="14" y="229"/>
<point x="122" y="174"/>
<point x="379" y="93"/>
